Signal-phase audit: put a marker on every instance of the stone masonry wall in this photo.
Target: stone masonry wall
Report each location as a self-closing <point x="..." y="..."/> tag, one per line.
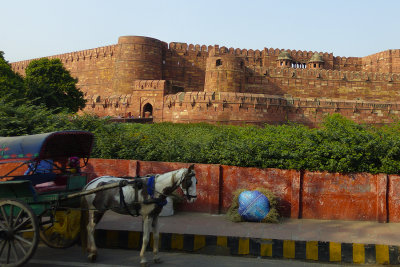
<point x="94" y="68"/>
<point x="242" y="108"/>
<point x="110" y="77"/>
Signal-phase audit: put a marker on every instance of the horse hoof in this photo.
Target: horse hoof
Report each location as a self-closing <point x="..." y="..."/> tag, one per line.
<point x="92" y="257"/>
<point x="157" y="260"/>
<point x="144" y="264"/>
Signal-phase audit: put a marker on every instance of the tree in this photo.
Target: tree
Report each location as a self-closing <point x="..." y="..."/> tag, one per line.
<point x="11" y="83"/>
<point x="18" y="118"/>
<point x="48" y="82"/>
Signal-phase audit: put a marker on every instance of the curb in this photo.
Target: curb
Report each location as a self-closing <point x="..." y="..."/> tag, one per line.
<point x="269" y="248"/>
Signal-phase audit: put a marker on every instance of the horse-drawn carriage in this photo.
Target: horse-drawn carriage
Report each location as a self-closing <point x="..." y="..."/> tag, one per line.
<point x="36" y="200"/>
<point x="42" y="195"/>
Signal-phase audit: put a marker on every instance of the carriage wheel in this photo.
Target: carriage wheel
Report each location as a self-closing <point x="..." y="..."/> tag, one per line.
<point x="60" y="228"/>
<point x="19" y="232"/>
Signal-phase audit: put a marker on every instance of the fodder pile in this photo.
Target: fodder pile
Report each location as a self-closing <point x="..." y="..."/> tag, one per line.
<point x="272" y="217"/>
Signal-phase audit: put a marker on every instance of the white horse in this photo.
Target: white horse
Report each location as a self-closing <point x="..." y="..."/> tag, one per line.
<point x="145" y="196"/>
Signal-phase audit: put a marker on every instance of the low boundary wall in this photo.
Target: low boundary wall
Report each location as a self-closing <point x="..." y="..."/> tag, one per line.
<point x="301" y="194"/>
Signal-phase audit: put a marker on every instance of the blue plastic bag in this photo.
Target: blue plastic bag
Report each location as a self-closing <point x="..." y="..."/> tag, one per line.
<point x="253" y="206"/>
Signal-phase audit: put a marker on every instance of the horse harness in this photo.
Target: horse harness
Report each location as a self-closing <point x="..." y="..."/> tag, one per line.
<point x="138" y="183"/>
<point x="147" y="183"/>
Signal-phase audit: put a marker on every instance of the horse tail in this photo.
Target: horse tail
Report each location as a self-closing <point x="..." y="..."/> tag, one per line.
<point x="84" y="223"/>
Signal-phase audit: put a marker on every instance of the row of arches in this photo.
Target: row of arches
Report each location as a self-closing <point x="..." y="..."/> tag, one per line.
<point x="297" y="65"/>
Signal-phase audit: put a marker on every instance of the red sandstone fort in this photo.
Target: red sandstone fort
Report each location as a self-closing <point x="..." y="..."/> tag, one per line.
<point x="176" y="82"/>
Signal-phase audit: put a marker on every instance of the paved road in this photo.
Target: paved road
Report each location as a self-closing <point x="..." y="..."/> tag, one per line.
<point x="46" y="257"/>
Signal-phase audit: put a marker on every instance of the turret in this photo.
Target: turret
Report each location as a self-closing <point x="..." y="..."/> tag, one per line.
<point x="284" y="60"/>
<point x="138" y="58"/>
<point x="316" y="62"/>
<point x="224" y="73"/>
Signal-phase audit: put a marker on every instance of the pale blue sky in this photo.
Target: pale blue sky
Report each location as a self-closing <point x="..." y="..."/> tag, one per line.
<point x="37" y="28"/>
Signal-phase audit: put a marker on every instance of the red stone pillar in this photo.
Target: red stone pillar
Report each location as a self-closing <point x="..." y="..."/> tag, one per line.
<point x="295" y="208"/>
<point x="381" y="198"/>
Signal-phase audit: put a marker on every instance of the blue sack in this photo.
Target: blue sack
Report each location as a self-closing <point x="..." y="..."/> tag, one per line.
<point x="253" y="206"/>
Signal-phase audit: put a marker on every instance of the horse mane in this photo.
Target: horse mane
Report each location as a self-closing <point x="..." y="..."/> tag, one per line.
<point x="137" y="176"/>
<point x="161" y="177"/>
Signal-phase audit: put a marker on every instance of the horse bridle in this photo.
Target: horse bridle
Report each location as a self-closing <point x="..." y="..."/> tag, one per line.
<point x="186" y="183"/>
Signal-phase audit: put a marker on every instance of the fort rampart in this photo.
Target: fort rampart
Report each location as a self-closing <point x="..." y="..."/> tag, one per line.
<point x="142" y="76"/>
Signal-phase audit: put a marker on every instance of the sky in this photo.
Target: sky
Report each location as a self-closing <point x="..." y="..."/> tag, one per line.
<point x="38" y="28"/>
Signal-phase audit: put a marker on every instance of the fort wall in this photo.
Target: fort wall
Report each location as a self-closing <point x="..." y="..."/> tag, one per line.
<point x="186" y="64"/>
<point x="349" y="85"/>
<point x="138" y="58"/>
<point x="93" y="68"/>
<point x="224" y="73"/>
<point x="141" y="72"/>
<point x="243" y="108"/>
<point x="387" y="61"/>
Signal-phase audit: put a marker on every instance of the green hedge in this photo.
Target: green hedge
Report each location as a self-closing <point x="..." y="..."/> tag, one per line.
<point x="339" y="145"/>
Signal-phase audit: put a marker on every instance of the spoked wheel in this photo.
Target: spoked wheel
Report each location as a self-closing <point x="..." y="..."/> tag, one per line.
<point x="19" y="233"/>
<point x="60" y="228"/>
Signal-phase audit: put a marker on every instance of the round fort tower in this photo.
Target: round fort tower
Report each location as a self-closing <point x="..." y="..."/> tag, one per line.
<point x="138" y="58"/>
<point x="224" y="72"/>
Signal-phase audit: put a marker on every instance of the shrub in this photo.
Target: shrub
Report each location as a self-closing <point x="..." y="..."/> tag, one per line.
<point x="339" y="145"/>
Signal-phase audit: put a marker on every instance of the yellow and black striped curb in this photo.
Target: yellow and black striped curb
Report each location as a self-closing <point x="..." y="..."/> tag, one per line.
<point x="273" y="248"/>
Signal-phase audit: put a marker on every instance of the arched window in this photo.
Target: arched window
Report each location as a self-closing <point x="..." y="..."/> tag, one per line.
<point x="147" y="111"/>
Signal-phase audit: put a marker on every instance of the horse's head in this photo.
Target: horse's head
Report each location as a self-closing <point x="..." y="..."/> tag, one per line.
<point x="188" y="184"/>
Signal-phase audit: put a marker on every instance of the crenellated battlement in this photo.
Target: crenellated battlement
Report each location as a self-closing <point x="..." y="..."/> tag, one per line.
<point x="105" y="51"/>
<point x="110" y="101"/>
<point x="268" y="56"/>
<point x="243" y="52"/>
<point x="240" y="108"/>
<point x="241" y="99"/>
<point x="350" y="76"/>
<point x="211" y="98"/>
<point x="88" y="54"/>
<point x="188" y="47"/>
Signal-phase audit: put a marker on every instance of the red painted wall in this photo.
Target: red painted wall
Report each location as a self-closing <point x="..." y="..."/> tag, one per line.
<point x="337" y="196"/>
<point x="280" y="182"/>
<point x="301" y="194"/>
<point x="311" y="195"/>
<point x="393" y="198"/>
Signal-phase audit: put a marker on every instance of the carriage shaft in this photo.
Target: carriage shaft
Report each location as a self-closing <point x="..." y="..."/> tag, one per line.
<point x="94" y="190"/>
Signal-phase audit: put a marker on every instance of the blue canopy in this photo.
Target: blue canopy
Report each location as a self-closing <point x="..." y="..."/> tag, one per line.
<point x="54" y="145"/>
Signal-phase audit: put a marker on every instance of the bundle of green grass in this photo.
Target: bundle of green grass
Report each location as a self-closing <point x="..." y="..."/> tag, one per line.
<point x="272" y="216"/>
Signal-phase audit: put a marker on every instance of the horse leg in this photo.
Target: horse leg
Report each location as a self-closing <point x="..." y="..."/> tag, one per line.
<point x="146" y="238"/>
<point x="156" y="237"/>
<point x="94" y="218"/>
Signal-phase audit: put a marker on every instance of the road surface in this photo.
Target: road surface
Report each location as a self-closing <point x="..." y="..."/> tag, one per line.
<point x="48" y="257"/>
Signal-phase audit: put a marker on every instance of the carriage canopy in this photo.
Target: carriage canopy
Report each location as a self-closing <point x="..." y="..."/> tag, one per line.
<point x="54" y="145"/>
